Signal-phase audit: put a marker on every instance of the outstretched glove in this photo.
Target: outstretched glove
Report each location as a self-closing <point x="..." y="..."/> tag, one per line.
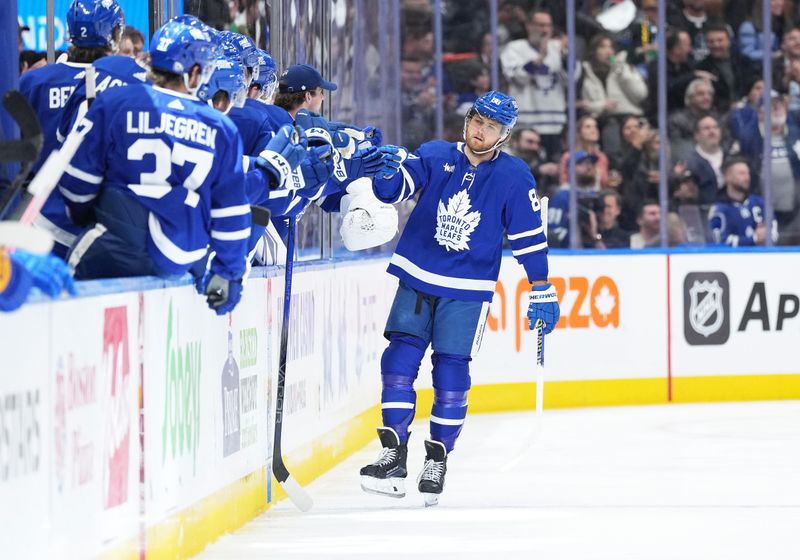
<point x="392" y="157"/>
<point x="309" y="120"/>
<point x="315" y="170"/>
<point x="222" y="294"/>
<point x="50" y="274"/>
<point x="364" y="163"/>
<point x="543" y="306"/>
<point x="283" y="154"/>
<point x="374" y="135"/>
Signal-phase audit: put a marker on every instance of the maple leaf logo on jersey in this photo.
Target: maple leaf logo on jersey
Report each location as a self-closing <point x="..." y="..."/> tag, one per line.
<point x="455" y="223"/>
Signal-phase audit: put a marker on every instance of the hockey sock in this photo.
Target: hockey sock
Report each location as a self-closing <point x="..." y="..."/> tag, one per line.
<point x="400" y="366"/>
<point x="451" y="383"/>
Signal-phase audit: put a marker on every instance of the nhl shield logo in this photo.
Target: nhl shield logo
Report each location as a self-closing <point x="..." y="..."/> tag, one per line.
<point x="706" y="309"/>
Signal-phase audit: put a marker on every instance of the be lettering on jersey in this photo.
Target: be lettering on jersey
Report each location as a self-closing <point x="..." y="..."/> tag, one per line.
<point x="181" y="128"/>
<point x="455" y="223"/>
<point x="58" y="96"/>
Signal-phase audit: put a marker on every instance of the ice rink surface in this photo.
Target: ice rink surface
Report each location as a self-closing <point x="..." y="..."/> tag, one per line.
<point x="677" y="482"/>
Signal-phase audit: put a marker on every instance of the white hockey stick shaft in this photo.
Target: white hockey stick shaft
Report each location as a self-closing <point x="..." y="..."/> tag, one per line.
<point x="540" y="336"/>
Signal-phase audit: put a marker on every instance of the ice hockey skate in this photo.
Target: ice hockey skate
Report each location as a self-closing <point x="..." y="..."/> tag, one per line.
<point x="386" y="476"/>
<point x="431" y="479"/>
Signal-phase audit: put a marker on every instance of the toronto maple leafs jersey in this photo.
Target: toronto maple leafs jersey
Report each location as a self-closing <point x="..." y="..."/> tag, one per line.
<point x="110" y="71"/>
<point x="452" y="243"/>
<point x="48" y="89"/>
<point x="734" y="223"/>
<point x="180" y="159"/>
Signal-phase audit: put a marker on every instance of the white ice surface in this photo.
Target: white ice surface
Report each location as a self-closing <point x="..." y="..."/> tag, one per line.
<point x="677" y="482"/>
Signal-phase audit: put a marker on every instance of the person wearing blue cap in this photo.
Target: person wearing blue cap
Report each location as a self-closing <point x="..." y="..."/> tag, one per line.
<point x="588" y="188"/>
<point x="302" y="87"/>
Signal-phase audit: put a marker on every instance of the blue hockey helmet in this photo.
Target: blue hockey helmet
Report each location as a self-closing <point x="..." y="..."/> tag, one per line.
<point x="177" y="47"/>
<point x="267" y="80"/>
<point x="228" y="77"/>
<point x="243" y="50"/>
<point x="92" y="23"/>
<point x="498" y="107"/>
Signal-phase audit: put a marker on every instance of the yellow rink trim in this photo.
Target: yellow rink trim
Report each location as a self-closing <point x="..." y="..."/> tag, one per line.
<point x="191" y="530"/>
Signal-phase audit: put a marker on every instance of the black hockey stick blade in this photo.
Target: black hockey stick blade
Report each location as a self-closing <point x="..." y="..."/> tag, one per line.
<point x="260" y="215"/>
<point x="28" y="148"/>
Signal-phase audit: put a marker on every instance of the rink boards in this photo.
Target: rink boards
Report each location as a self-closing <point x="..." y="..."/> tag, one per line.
<point x="643" y="328"/>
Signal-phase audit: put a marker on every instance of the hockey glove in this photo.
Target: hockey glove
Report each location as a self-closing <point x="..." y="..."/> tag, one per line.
<point x="543" y="306"/>
<point x="392" y="157"/>
<point x="374" y="135"/>
<point x="313" y="172"/>
<point x="222" y="294"/>
<point x="312" y="121"/>
<point x="364" y="163"/>
<point x="283" y="154"/>
<point x="50" y="274"/>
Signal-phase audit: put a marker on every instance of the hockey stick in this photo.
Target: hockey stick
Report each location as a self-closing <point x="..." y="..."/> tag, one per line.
<point x="540" y="338"/>
<point x="296" y="493"/>
<point x="25" y="150"/>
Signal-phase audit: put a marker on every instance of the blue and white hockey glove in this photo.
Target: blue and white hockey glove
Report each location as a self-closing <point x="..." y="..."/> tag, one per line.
<point x="392" y="157"/>
<point x="50" y="274"/>
<point x="364" y="163"/>
<point x="374" y="135"/>
<point x="314" y="172"/>
<point x="283" y="153"/>
<point x="309" y="121"/>
<point x="222" y="295"/>
<point x="543" y="306"/>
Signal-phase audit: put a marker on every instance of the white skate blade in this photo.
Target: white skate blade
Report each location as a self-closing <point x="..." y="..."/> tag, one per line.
<point x="430" y="499"/>
<point x="390" y="487"/>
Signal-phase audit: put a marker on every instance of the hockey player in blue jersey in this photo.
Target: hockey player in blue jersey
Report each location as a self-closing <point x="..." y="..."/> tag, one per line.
<point x="736" y="218"/>
<point x="161" y="174"/>
<point x="94" y="27"/>
<point x="448" y="261"/>
<point x="253" y="120"/>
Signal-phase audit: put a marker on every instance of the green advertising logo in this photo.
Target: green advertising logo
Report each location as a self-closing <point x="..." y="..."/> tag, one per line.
<point x="181" y="431"/>
<point x="248" y="347"/>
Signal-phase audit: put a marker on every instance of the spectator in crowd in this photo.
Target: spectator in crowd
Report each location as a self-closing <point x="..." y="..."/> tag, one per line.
<point x="610" y="87"/>
<point x="705" y="160"/>
<point x="587" y="140"/>
<point x="132" y="43"/>
<point x="609" y="207"/>
<point x="644" y="181"/>
<point x="527" y="145"/>
<point x="418" y="95"/>
<point x="534" y="67"/>
<point x="685" y="202"/>
<point x="751" y="32"/>
<point x="558" y="212"/>
<point x="745" y="116"/>
<point x="728" y="68"/>
<point x="679" y="73"/>
<point x="471" y="80"/>
<point x="692" y="18"/>
<point x="649" y="220"/>
<point x="633" y="132"/>
<point x="214" y="13"/>
<point x="786" y="75"/>
<point x="699" y="102"/>
<point x="737" y="217"/>
<point x="640" y="37"/>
